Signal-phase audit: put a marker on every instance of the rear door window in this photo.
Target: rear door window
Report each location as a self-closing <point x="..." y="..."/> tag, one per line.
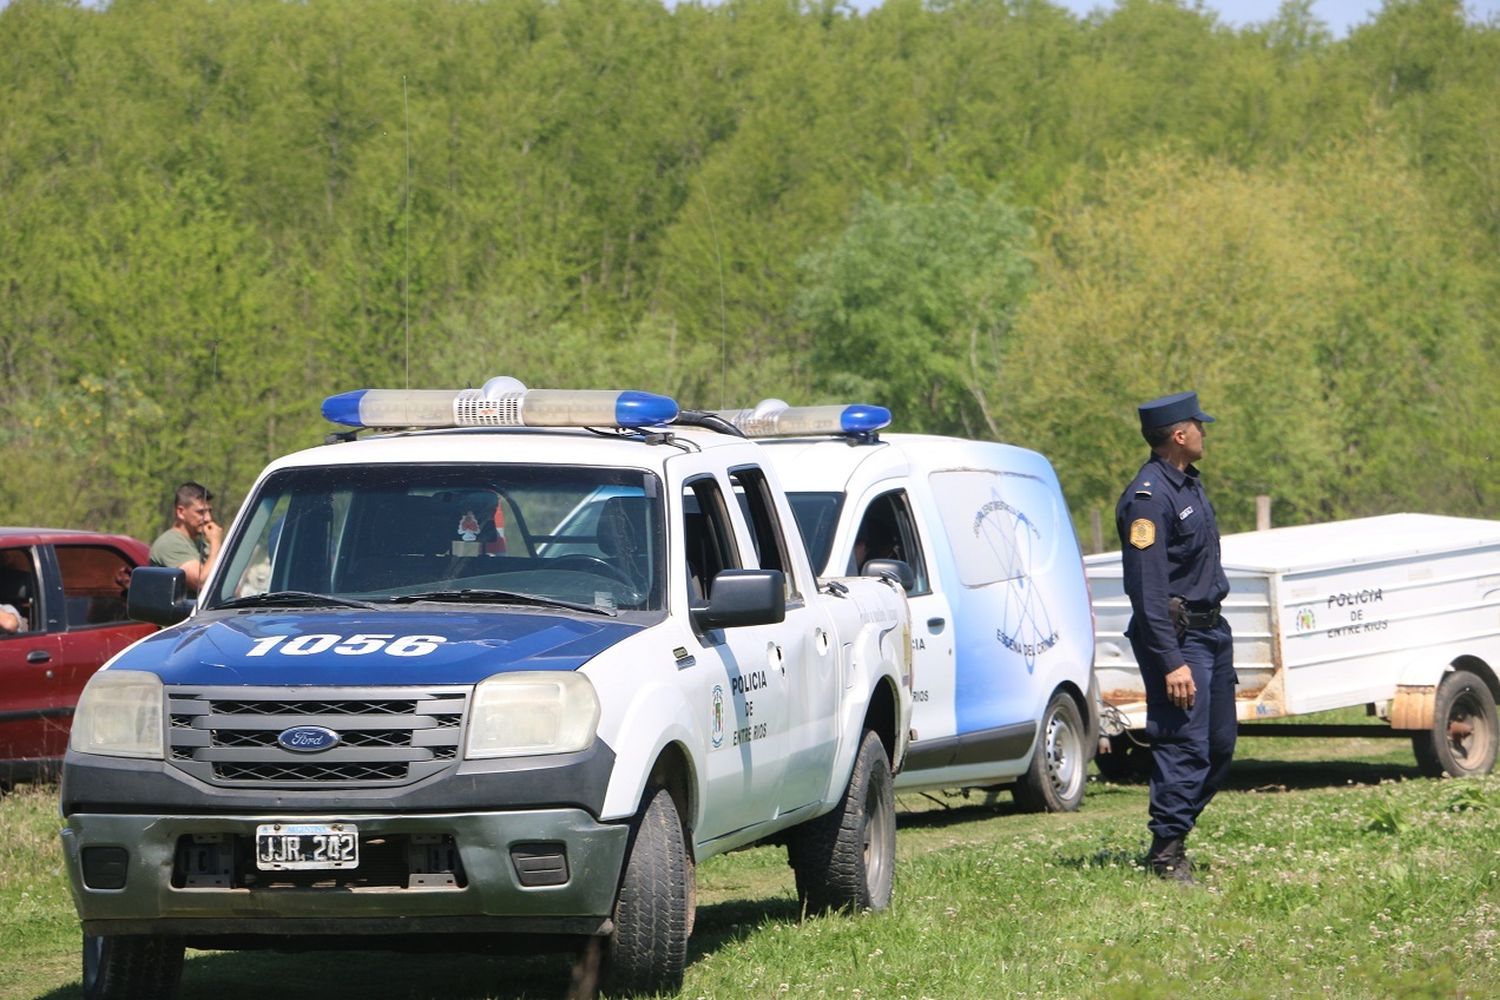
<point x="95" y="579"/>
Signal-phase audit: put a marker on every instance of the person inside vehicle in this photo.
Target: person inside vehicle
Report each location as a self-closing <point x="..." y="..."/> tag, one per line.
<point x="191" y="544"/>
<point x="15" y="584"/>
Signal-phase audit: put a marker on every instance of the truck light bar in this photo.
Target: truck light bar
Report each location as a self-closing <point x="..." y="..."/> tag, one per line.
<point x="502" y="402"/>
<point x="775" y="418"/>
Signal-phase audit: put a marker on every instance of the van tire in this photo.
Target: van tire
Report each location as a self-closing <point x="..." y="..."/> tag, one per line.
<point x="846" y="858"/>
<point x="1465" y="733"/>
<point x="131" y="966"/>
<point x="1058" y="774"/>
<point x="648" y="945"/>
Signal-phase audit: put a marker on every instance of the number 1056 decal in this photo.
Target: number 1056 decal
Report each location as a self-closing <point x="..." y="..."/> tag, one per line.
<point x="354" y="645"/>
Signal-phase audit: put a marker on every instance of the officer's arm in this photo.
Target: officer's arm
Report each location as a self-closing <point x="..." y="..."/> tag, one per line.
<point x="1144" y="562"/>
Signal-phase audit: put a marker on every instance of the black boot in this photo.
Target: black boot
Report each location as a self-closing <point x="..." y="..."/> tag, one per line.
<point x="1168" y="859"/>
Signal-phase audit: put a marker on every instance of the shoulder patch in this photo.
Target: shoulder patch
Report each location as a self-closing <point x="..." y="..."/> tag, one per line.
<point x="1142" y="533"/>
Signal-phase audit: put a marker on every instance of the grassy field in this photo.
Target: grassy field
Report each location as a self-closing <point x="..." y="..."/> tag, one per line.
<point x="1328" y="869"/>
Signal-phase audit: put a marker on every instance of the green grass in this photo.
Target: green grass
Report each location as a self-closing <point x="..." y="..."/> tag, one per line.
<point x="1328" y="869"/>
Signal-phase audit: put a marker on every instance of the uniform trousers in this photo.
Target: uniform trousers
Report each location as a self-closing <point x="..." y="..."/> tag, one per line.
<point x="1191" y="748"/>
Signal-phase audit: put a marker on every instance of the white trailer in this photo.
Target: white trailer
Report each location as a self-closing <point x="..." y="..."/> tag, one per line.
<point x="1399" y="613"/>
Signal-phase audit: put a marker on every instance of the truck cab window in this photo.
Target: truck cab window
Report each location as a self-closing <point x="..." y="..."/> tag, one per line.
<point x="707" y="534"/>
<point x="754" y="494"/>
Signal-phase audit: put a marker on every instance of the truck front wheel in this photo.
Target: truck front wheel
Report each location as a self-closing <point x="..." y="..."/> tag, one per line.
<point x="1059" y="765"/>
<point x="648" y="946"/>
<point x="1464" y="732"/>
<point x="131" y="967"/>
<point x="846" y="858"/>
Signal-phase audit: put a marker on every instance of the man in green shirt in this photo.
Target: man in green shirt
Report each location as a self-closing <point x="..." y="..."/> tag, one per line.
<point x="191" y="544"/>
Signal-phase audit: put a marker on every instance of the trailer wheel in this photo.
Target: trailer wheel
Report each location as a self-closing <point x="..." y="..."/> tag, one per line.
<point x="1464" y="733"/>
<point x="1059" y="765"/>
<point x="648" y="946"/>
<point x="846" y="858"/>
<point x="131" y="966"/>
<point x="1127" y="762"/>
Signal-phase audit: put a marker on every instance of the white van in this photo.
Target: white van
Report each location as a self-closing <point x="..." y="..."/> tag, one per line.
<point x="1002" y="632"/>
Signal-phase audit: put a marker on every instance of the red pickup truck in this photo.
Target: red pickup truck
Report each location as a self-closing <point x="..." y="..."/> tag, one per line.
<point x="69" y="589"/>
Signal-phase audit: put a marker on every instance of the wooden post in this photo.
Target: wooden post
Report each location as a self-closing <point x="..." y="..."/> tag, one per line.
<point x="1262" y="513"/>
<point x="1096" y="525"/>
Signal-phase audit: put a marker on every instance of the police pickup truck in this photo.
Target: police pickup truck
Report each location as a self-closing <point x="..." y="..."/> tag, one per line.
<point x="507" y="678"/>
<point x="1003" y="639"/>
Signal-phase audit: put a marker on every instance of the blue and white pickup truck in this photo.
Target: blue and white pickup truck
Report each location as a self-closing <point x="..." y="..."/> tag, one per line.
<point x="1003" y="636"/>
<point x="513" y="674"/>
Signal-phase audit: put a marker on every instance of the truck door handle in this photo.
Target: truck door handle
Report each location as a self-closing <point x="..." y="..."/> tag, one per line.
<point x="935" y="625"/>
<point x="38" y="656"/>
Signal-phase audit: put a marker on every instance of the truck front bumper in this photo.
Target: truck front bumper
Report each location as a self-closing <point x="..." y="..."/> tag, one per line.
<point x="536" y="871"/>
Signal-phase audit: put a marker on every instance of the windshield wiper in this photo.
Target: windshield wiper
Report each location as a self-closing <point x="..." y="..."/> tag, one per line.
<point x="471" y="596"/>
<point x="293" y="598"/>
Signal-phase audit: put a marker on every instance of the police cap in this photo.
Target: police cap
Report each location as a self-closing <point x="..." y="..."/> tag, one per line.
<point x="1172" y="409"/>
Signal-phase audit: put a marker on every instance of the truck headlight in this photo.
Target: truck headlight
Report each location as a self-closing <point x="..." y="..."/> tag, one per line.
<point x="533" y="712"/>
<point x="119" y="714"/>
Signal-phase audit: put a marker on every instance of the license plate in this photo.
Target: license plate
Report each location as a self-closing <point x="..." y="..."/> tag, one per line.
<point x="279" y="846"/>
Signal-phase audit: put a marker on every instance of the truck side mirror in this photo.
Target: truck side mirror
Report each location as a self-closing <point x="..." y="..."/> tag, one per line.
<point x="743" y="597"/>
<point x="897" y="569"/>
<point x="158" y="594"/>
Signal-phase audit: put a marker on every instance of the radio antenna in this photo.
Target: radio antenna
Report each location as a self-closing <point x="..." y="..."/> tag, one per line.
<point x="406" y="232"/>
<point x="723" y="312"/>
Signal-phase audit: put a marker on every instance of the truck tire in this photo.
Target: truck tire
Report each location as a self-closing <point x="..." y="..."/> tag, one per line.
<point x="648" y="946"/>
<point x="1464" y="733"/>
<point x="131" y="966"/>
<point x="1127" y="762"/>
<point x="1059" y="766"/>
<point x="846" y="858"/>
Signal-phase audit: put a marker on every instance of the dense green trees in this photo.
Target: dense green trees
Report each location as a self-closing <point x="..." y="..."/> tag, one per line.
<point x="995" y="217"/>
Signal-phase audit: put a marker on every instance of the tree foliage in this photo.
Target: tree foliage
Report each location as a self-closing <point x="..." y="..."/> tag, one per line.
<point x="996" y="217"/>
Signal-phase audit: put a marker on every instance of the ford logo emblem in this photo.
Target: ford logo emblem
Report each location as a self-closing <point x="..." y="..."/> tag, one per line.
<point x="307" y="739"/>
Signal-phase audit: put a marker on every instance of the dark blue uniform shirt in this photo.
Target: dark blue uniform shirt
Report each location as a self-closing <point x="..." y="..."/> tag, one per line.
<point x="1169" y="542"/>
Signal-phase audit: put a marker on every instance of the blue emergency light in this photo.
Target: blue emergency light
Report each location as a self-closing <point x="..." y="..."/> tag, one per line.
<point x="775" y="418"/>
<point x="502" y="402"/>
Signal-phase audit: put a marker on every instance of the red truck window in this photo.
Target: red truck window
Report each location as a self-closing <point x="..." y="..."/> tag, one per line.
<point x="18" y="585"/>
<point x="95" y="580"/>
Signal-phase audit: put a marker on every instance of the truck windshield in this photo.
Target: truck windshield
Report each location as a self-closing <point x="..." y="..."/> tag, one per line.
<point x="379" y="533"/>
<point x="817" y="516"/>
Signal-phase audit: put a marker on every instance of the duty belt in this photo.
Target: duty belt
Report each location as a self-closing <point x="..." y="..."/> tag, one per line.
<point x="1185" y="617"/>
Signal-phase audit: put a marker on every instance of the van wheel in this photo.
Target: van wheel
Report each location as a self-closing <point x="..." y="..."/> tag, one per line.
<point x="1059" y="767"/>
<point x="846" y="858"/>
<point x="648" y="946"/>
<point x="131" y="966"/>
<point x="1464" y="733"/>
<point x="1126" y="763"/>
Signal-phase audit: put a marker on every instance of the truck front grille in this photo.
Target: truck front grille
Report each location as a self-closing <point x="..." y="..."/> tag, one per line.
<point x="385" y="737"/>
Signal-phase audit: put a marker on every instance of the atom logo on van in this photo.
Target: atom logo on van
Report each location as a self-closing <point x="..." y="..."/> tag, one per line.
<point x="1025" y="626"/>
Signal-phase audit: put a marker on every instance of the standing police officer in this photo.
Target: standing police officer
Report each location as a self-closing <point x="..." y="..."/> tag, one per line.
<point x="1169" y="541"/>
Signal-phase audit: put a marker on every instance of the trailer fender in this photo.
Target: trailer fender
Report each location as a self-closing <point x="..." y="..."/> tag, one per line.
<point x="1413" y="705"/>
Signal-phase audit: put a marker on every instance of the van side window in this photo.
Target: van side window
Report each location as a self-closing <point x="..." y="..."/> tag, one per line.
<point x="707" y="535"/>
<point x="888" y="531"/>
<point x="754" y="494"/>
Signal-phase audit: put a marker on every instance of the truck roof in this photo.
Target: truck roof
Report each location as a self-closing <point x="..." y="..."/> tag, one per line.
<point x="1305" y="547"/>
<point x="510" y="444"/>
